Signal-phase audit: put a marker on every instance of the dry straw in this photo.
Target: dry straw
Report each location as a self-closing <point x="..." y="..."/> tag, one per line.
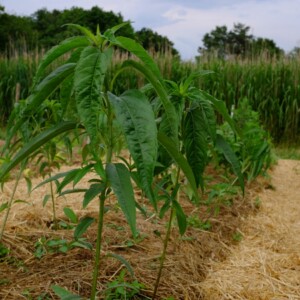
<point x="201" y="265"/>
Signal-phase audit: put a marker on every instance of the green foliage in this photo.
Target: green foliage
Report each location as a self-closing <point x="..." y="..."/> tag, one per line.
<point x="238" y="42"/>
<point x="57" y="245"/>
<point x="152" y="41"/>
<point x="63" y="294"/>
<point x="119" y="178"/>
<point x="4" y="251"/>
<point x="253" y="146"/>
<point x="170" y="124"/>
<point x="121" y="289"/>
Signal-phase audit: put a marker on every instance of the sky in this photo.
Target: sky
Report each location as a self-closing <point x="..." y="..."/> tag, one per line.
<point x="185" y="22"/>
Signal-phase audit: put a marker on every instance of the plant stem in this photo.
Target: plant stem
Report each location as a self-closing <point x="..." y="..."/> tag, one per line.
<point x="11" y="200"/>
<point x="98" y="245"/>
<point x="53" y="204"/>
<point x="163" y="256"/>
<point x="110" y="144"/>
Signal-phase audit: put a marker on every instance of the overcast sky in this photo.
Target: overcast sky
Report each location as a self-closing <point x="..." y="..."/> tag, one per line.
<point x="186" y="21"/>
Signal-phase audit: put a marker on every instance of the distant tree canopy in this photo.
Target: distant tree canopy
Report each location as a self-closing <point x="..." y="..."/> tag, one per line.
<point x="153" y="41"/>
<point x="237" y="41"/>
<point x="45" y="28"/>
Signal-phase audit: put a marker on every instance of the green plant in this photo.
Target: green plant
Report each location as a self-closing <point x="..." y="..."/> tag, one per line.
<point x="253" y="146"/>
<point x="57" y="245"/>
<point x="237" y="236"/>
<point x="176" y="132"/>
<point x="4" y="251"/>
<point x="122" y="289"/>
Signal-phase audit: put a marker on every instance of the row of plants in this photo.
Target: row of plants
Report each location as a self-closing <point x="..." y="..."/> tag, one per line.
<point x="272" y="86"/>
<point x="169" y="128"/>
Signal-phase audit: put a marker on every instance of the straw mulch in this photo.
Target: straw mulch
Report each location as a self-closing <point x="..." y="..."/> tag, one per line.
<point x="266" y="264"/>
<point x="200" y="265"/>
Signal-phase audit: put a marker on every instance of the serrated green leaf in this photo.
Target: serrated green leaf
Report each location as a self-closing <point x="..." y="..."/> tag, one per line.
<point x="71" y="214"/>
<point x="123" y="261"/>
<point x="181" y="217"/>
<point x="186" y="84"/>
<point x="73" y="191"/>
<point x="28" y="184"/>
<point x="34" y="144"/>
<point x="57" y="51"/>
<point x="68" y="178"/>
<point x="170" y="127"/>
<point x="46" y="199"/>
<point x="119" y="178"/>
<point x="81" y="173"/>
<point x="82" y="227"/>
<point x="92" y="192"/>
<point x="100" y="170"/>
<point x="221" y="108"/>
<point x="3" y="206"/>
<point x="230" y="156"/>
<point x="88" y="80"/>
<point x="135" y="48"/>
<point x="199" y="126"/>
<point x="64" y="294"/>
<point x="134" y="113"/>
<point x="41" y="93"/>
<point x="172" y="149"/>
<point x="85" y="31"/>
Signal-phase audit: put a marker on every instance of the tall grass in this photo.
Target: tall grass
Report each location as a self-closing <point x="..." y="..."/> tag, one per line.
<point x="271" y="86"/>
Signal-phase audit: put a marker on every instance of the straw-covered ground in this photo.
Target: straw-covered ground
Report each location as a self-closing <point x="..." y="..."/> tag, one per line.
<point x="252" y="250"/>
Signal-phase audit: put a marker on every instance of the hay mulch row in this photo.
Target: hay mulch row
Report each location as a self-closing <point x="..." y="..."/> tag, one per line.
<point x="266" y="264"/>
<point x="200" y="265"/>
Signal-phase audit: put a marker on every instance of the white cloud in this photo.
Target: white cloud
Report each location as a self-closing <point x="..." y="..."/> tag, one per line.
<point x="277" y="20"/>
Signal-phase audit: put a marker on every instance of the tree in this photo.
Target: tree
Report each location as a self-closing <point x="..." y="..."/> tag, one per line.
<point x="153" y="41"/>
<point x="266" y="46"/>
<point x="216" y="40"/>
<point x="237" y="42"/>
<point x="15" y="30"/>
<point x="239" y="39"/>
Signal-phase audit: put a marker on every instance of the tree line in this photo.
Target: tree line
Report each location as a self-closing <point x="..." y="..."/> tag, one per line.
<point x="44" y="29"/>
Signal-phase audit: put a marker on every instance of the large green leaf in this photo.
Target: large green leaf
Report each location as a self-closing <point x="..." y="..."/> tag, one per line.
<point x="199" y="127"/>
<point x="187" y="83"/>
<point x="171" y="148"/>
<point x="36" y="143"/>
<point x="230" y="156"/>
<point x="64" y="294"/>
<point x="41" y="93"/>
<point x="220" y="107"/>
<point x="119" y="178"/>
<point x="138" y="50"/>
<point x="170" y="127"/>
<point x="93" y="191"/>
<point x="135" y="114"/>
<point x="82" y="227"/>
<point x="59" y="50"/>
<point x="181" y="217"/>
<point x="88" y="80"/>
<point x="88" y="34"/>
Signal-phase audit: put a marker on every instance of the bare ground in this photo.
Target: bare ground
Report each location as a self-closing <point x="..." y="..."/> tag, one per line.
<point x="265" y="264"/>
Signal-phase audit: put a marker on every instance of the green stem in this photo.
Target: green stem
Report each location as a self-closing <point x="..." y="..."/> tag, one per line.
<point x="10" y="201"/>
<point x="98" y="246"/>
<point x="53" y="204"/>
<point x="163" y="256"/>
<point x="110" y="141"/>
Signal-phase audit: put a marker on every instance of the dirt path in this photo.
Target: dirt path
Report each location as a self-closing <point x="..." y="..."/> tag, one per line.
<point x="266" y="263"/>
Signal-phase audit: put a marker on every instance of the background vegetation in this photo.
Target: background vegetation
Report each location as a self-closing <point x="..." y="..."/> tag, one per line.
<point x="244" y="66"/>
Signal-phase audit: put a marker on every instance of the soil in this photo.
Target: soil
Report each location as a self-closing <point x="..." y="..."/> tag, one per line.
<point x="251" y="251"/>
